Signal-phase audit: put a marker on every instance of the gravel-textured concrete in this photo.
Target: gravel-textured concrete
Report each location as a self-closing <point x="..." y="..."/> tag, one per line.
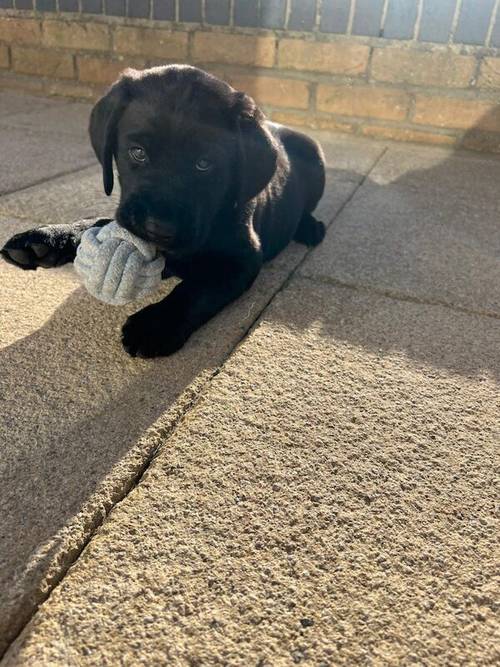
<point x="424" y="224"/>
<point x="79" y="195"/>
<point x="75" y="407"/>
<point x="14" y="103"/>
<point x="62" y="199"/>
<point x="39" y="139"/>
<point x="50" y="155"/>
<point x="330" y="500"/>
<point x="63" y="119"/>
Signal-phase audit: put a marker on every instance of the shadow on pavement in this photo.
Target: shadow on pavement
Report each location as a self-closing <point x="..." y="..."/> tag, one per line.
<point x="428" y="233"/>
<point x="76" y="406"/>
<point x="75" y="413"/>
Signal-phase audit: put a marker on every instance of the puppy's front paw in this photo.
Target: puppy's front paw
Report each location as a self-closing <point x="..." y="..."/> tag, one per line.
<point x="147" y="334"/>
<point x="44" y="247"/>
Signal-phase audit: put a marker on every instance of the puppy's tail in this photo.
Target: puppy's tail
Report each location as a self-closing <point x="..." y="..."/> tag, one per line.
<point x="310" y="231"/>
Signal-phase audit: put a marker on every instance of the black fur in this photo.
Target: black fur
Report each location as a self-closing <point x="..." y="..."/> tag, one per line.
<point x="215" y="224"/>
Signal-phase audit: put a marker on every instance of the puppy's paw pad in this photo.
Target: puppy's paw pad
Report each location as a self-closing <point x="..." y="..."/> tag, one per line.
<point x="40" y="249"/>
<point x="37" y="247"/>
<point x="21" y="258"/>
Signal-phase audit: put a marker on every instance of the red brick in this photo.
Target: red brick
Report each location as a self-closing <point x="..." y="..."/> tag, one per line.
<point x="102" y="70"/>
<point x="150" y="42"/>
<point x="422" y="68"/>
<point x="76" y="35"/>
<point x="273" y="91"/>
<point x="42" y="62"/>
<point x="72" y="89"/>
<point x="489" y="76"/>
<point x="365" y="101"/>
<point x="33" y="84"/>
<point x="456" y="113"/>
<point x="331" y="57"/>
<point x="311" y="120"/>
<point x="20" y="31"/>
<point x="210" y="47"/>
<point x="407" y="134"/>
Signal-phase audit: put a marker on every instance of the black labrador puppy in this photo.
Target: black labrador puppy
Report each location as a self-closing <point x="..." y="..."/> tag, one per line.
<point x="204" y="176"/>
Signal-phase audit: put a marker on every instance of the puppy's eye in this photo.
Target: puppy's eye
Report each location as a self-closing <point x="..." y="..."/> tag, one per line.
<point x="203" y="164"/>
<point x="137" y="153"/>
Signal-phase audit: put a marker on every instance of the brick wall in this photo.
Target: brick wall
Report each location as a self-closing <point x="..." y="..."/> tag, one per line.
<point x="415" y="70"/>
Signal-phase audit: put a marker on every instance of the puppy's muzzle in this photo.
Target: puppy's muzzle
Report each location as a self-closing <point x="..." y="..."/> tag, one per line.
<point x="151" y="229"/>
<point x="158" y="231"/>
<point x="135" y="216"/>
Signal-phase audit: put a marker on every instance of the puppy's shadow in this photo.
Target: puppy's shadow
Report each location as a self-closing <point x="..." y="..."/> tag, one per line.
<point x="74" y="403"/>
<point x="75" y="408"/>
<point x="412" y="265"/>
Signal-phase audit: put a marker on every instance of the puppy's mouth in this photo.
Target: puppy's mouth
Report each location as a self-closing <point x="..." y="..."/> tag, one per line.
<point x="161" y="232"/>
<point x="164" y="241"/>
<point x="176" y="231"/>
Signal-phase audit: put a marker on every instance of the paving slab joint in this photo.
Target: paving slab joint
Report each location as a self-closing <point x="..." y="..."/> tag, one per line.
<point x="397" y="296"/>
<point x="166" y="432"/>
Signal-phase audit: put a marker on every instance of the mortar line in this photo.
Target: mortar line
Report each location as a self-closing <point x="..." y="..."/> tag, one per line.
<point x="168" y="431"/>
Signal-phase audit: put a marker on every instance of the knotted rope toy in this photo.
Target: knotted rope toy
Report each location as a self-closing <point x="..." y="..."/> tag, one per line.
<point x="116" y="266"/>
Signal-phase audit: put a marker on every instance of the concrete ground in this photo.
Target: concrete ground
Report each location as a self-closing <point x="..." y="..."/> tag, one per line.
<point x="311" y="480"/>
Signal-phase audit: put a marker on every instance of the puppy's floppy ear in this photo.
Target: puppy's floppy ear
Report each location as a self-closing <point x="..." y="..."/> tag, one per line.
<point x="102" y="128"/>
<point x="258" y="152"/>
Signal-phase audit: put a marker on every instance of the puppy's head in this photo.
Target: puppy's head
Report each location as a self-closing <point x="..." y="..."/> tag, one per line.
<point x="189" y="150"/>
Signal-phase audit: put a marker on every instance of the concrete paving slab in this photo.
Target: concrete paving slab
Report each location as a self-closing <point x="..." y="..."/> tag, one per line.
<point x="70" y="118"/>
<point x="340" y="186"/>
<point x="62" y="199"/>
<point x="425" y="224"/>
<point x="75" y="410"/>
<point x="81" y="418"/>
<point x="329" y="500"/>
<point x="74" y="196"/>
<point x="31" y="156"/>
<point x="349" y="154"/>
<point x="348" y="160"/>
<point x="13" y="103"/>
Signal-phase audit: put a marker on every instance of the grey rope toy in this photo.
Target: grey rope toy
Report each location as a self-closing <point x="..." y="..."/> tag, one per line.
<point x="116" y="266"/>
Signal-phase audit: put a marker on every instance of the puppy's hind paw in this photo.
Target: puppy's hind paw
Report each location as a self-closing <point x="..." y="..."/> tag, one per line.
<point x="310" y="231"/>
